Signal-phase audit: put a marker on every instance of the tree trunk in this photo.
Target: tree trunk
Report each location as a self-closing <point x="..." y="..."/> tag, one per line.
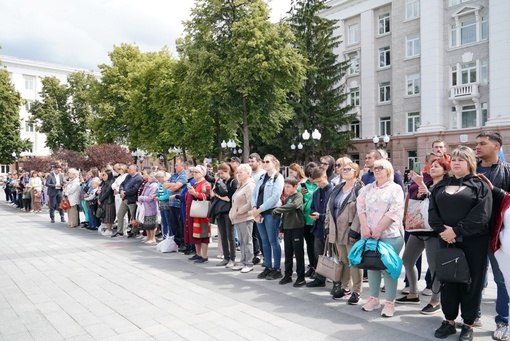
<point x="246" y="133"/>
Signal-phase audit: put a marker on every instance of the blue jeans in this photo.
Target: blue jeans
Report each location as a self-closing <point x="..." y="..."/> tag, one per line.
<point x="268" y="231"/>
<point x="502" y="295"/>
<point x="92" y="219"/>
<point x="166" y="230"/>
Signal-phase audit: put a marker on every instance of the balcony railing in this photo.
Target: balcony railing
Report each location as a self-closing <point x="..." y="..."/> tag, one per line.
<point x="464" y="91"/>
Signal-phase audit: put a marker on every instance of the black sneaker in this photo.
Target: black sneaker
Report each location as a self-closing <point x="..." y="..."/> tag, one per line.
<point x="354" y="299"/>
<point x="430" y="309"/>
<point x="256" y="260"/>
<point x="274" y="274"/>
<point x="309" y="272"/>
<point x="315" y="284"/>
<point x="466" y="333"/>
<point x="202" y="260"/>
<point x="336" y="288"/>
<point x="299" y="283"/>
<point x="195" y="257"/>
<point x="445" y="330"/>
<point x="405" y="300"/>
<point x="285" y="280"/>
<point x="264" y="273"/>
<point x="342" y="293"/>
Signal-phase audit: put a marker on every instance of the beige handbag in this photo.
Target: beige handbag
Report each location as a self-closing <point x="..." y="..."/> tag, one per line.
<point x="199" y="208"/>
<point x="329" y="264"/>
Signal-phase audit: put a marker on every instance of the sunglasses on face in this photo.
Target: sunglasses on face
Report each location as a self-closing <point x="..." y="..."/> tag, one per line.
<point x="338" y="165"/>
<point x="266" y="161"/>
<point x="346" y="169"/>
<point x="378" y="168"/>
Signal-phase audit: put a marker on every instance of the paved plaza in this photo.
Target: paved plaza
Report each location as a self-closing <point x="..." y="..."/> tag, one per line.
<point x="58" y="283"/>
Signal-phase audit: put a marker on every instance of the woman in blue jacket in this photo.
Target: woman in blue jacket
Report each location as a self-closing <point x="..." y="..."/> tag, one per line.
<point x="265" y="198"/>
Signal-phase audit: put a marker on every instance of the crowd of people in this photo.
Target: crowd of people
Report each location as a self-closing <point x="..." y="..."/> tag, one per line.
<point x="324" y="205"/>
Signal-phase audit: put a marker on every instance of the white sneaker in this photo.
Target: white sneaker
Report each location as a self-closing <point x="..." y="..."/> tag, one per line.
<point x="246" y="269"/>
<point x="238" y="267"/>
<point x="427" y="292"/>
<point x="144" y="239"/>
<point x="389" y="309"/>
<point x="107" y="233"/>
<point x="230" y="264"/>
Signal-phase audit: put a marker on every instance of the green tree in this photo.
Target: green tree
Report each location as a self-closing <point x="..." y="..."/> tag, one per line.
<point x="112" y="95"/>
<point x="10" y="139"/>
<point x="321" y="102"/>
<point x="240" y="67"/>
<point x="64" y="112"/>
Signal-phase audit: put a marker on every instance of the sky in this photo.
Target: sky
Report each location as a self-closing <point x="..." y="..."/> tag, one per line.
<point x="80" y="33"/>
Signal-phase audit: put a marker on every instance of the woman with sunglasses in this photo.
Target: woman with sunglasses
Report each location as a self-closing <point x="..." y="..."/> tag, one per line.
<point x="342" y="229"/>
<point x="340" y="163"/>
<point x="380" y="208"/>
<point x="265" y="198"/>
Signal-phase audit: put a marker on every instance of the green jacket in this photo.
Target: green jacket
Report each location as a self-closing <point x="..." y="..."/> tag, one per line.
<point x="292" y="212"/>
<point x="308" y="201"/>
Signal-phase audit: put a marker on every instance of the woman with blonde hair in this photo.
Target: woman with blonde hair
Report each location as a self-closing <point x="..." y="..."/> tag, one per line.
<point x="72" y="192"/>
<point x="459" y="210"/>
<point x="343" y="230"/>
<point x="380" y="206"/>
<point x="339" y="164"/>
<point x="265" y="198"/>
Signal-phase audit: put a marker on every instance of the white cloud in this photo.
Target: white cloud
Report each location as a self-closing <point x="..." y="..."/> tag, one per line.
<point x="80" y="33"/>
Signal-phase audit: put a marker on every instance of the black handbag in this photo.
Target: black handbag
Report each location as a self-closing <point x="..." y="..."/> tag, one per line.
<point x="371" y="259"/>
<point x="452" y="266"/>
<point x="100" y="213"/>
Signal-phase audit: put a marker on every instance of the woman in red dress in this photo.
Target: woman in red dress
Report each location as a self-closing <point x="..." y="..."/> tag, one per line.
<point x="198" y="230"/>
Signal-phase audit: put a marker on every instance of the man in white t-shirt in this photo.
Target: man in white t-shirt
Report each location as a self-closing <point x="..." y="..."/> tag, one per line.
<point x="255" y="162"/>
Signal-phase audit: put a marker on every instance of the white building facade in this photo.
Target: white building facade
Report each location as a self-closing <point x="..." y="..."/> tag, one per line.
<point x="423" y="70"/>
<point x="26" y="76"/>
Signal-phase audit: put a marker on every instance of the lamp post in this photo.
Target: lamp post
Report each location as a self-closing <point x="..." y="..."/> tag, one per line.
<point x="138" y="155"/>
<point x="316" y="136"/>
<point x="381" y="144"/>
<point x="175" y="150"/>
<point x="232" y="146"/>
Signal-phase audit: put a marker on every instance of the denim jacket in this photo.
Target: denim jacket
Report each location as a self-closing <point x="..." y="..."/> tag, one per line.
<point x="273" y="190"/>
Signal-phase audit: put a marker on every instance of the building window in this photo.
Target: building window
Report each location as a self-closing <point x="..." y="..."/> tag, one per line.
<point x="454" y="118"/>
<point x="29" y="82"/>
<point x="485" y="113"/>
<point x="354" y="97"/>
<point x="413" y="122"/>
<point x="354" y="64"/>
<point x="384" y="23"/>
<point x="29" y="128"/>
<point x="28" y="105"/>
<point x="355" y="158"/>
<point x="354" y="34"/>
<point x="466" y="75"/>
<point x="384" y="92"/>
<point x="4" y="169"/>
<point x="467" y="29"/>
<point x="412" y="157"/>
<point x="457" y="2"/>
<point x="412" y="9"/>
<point x="468" y="116"/>
<point x="384" y="126"/>
<point x="413" y="45"/>
<point x="413" y="84"/>
<point x="384" y="57"/>
<point x="484" y="71"/>
<point x="355" y="129"/>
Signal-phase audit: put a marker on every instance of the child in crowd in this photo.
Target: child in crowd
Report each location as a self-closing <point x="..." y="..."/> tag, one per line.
<point x="292" y="232"/>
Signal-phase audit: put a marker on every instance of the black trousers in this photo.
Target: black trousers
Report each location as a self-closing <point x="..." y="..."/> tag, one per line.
<point x="309" y="245"/>
<point x="228" y="243"/>
<point x="257" y="251"/>
<point x="293" y="240"/>
<point x="318" y="247"/>
<point x="467" y="296"/>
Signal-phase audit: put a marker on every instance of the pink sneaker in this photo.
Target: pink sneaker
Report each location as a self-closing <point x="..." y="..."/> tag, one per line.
<point x="372" y="303"/>
<point x="389" y="309"/>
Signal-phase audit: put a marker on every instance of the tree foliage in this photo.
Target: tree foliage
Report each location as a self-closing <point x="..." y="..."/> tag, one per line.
<point x="240" y="67"/>
<point x="321" y="101"/>
<point x="10" y="103"/>
<point x="64" y="111"/>
<point x="99" y="156"/>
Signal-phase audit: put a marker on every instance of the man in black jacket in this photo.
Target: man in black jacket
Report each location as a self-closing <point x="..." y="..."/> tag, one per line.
<point x="496" y="173"/>
<point x="129" y="194"/>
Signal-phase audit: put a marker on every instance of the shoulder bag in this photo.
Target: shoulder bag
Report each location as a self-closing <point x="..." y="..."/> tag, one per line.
<point x="417" y="216"/>
<point x="199" y="208"/>
<point x="64" y="204"/>
<point x="371" y="259"/>
<point x="329" y="264"/>
<point x="452" y="266"/>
